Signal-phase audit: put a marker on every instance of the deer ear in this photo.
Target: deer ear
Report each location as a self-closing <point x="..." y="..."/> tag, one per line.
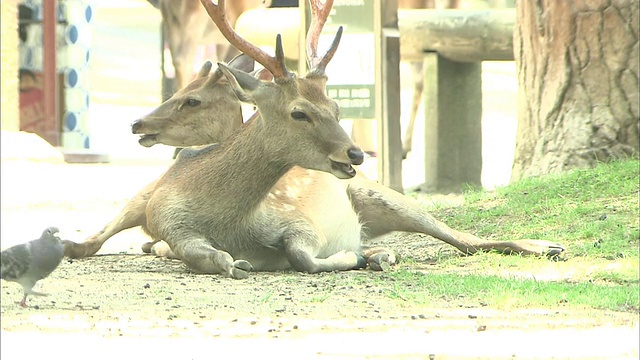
<point x="263" y="74"/>
<point x="242" y="83"/>
<point x="205" y="69"/>
<point x="243" y="62"/>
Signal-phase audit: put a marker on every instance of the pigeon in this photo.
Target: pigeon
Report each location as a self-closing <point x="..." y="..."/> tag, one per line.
<point x="33" y="261"/>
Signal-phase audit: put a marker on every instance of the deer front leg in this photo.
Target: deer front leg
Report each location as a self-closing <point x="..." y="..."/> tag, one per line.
<point x="203" y="258"/>
<point x="132" y="215"/>
<point x="383" y="210"/>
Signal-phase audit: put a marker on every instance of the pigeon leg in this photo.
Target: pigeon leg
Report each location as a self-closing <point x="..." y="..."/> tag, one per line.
<point x="23" y="303"/>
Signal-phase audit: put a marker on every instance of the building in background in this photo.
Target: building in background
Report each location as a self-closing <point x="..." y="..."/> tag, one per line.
<point x="73" y="55"/>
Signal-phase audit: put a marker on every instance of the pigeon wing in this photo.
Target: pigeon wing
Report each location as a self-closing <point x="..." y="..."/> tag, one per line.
<point x="15" y="261"/>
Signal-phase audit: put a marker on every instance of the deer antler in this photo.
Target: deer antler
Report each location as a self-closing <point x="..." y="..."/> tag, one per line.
<point x="275" y="65"/>
<point x="319" y="14"/>
<point x="320" y="10"/>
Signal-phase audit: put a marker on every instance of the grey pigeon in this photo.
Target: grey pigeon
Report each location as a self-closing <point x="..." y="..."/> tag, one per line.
<point x="30" y="262"/>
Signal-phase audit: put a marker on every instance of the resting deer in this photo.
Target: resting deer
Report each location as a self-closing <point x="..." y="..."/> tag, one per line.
<point x="216" y="209"/>
<point x="380" y="209"/>
<point x="209" y="112"/>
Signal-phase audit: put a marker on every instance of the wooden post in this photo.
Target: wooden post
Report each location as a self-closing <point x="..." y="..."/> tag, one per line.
<point x="50" y="77"/>
<point x="459" y="35"/>
<point x="453" y="44"/>
<point x="388" y="115"/>
<point x="453" y="124"/>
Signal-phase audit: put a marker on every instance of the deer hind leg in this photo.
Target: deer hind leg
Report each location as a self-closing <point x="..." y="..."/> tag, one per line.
<point x="159" y="248"/>
<point x="132" y="215"/>
<point x="383" y="210"/>
<point x="302" y="246"/>
<point x="379" y="258"/>
<point x="203" y="258"/>
<point x="418" y="85"/>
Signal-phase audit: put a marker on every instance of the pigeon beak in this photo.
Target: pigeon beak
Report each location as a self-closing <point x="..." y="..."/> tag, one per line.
<point x="56" y="234"/>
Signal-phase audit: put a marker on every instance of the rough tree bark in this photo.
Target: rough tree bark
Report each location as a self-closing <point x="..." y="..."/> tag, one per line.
<point x="577" y="67"/>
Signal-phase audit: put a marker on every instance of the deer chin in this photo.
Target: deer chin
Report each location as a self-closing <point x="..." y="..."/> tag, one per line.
<point x="342" y="170"/>
<point x="148" y="140"/>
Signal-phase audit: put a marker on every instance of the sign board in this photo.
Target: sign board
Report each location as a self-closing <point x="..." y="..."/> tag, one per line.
<point x="351" y="72"/>
<point x="364" y="73"/>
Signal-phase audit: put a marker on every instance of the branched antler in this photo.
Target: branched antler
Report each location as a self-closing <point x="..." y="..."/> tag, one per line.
<point x="319" y="14"/>
<point x="275" y="64"/>
<point x="320" y="10"/>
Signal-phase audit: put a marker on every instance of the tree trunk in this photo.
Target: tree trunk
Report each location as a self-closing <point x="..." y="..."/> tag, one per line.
<point x="577" y="67"/>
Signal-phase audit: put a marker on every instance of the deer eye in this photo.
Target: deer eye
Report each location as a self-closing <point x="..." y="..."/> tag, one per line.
<point x="193" y="102"/>
<point x="299" y="115"/>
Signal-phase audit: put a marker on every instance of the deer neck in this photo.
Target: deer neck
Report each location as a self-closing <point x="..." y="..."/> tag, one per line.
<point x="246" y="168"/>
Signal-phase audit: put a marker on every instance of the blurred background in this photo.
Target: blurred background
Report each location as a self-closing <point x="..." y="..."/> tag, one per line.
<point x="114" y="49"/>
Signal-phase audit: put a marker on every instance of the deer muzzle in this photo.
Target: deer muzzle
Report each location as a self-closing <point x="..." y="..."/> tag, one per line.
<point x="146" y="140"/>
<point x="356" y="156"/>
<point x="344" y="169"/>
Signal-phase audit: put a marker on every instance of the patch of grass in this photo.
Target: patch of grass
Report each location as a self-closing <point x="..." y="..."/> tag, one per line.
<point x="508" y="293"/>
<point x="319" y="296"/>
<point x="266" y="296"/>
<point x="593" y="213"/>
<point x="619" y="272"/>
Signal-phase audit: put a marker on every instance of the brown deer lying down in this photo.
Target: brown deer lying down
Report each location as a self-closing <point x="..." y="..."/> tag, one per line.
<point x="289" y="211"/>
<point x="217" y="210"/>
<point x="205" y="112"/>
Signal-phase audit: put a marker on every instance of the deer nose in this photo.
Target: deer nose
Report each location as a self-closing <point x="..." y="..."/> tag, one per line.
<point x="135" y="126"/>
<point x="355" y="155"/>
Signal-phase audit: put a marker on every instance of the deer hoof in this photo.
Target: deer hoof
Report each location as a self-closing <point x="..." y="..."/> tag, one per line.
<point x="361" y="262"/>
<point x="554" y="250"/>
<point x="162" y="249"/>
<point x="241" y="269"/>
<point x="380" y="262"/>
<point x="73" y="250"/>
<point x="146" y="247"/>
<point x="542" y="248"/>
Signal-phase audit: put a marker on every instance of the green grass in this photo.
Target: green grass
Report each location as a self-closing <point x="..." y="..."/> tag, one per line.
<point x="594" y="213"/>
<point x="508" y="293"/>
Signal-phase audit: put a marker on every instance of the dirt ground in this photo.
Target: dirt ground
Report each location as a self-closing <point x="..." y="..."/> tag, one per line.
<point x="123" y="302"/>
